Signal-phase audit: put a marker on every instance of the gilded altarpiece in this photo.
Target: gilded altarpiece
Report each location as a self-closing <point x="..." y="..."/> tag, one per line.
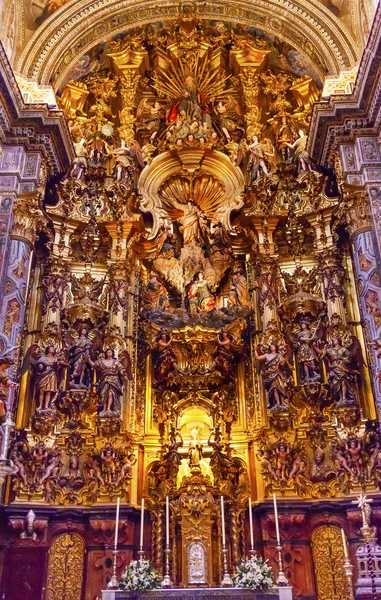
<point x="191" y="329"/>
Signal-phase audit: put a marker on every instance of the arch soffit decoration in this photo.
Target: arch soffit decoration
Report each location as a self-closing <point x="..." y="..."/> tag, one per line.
<point x="71" y="32"/>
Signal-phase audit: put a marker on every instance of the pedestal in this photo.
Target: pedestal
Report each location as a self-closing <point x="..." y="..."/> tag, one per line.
<point x="281" y="593"/>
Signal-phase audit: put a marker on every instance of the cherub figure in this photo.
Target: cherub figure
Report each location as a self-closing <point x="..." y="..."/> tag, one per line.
<point x="282" y="452"/>
<point x="108" y="464"/>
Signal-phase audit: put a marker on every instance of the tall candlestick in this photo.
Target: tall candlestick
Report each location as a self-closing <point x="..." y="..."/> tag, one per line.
<point x="142" y="526"/>
<point x="223" y="522"/>
<point x="117" y="523"/>
<point x="167" y="582"/>
<point x="276" y="520"/>
<point x="346" y="555"/>
<point x="251" y="526"/>
<point x="167" y="521"/>
<point x="113" y="583"/>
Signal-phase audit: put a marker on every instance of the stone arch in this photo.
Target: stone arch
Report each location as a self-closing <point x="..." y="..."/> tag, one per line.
<point x="72" y="31"/>
<point x="66" y="567"/>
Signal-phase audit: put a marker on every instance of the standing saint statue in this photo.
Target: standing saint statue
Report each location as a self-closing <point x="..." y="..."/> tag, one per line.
<point x="192" y="221"/>
<point x="195" y="451"/>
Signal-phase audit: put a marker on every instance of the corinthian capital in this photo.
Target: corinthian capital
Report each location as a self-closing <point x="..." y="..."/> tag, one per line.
<point x="28" y="218"/>
<point x="354" y="211"/>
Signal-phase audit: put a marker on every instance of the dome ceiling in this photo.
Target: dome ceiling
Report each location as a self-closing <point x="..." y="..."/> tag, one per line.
<point x="56" y="40"/>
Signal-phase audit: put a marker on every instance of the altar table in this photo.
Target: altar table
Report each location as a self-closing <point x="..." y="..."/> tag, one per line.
<point x="281" y="593"/>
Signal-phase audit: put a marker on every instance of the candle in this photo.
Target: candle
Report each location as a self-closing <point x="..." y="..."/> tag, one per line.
<point x="276" y="520"/>
<point x="142" y="525"/>
<point x="346" y="555"/>
<point x="167" y="521"/>
<point x="223" y="522"/>
<point x="251" y="526"/>
<point x="117" y="523"/>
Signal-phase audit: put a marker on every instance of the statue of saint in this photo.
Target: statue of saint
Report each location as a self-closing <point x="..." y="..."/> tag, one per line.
<point x="195" y="451"/>
<point x="192" y="221"/>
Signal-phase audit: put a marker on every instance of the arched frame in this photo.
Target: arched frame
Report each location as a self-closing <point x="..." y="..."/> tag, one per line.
<point x="77" y="27"/>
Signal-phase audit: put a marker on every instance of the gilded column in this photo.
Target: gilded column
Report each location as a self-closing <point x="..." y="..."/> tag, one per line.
<point x="356" y="210"/>
<point x="26" y="220"/>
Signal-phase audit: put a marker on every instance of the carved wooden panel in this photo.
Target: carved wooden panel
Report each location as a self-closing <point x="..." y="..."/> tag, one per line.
<point x="328" y="553"/>
<point x="65" y="569"/>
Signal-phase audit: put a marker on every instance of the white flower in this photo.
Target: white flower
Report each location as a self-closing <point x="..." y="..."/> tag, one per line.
<point x="253" y="573"/>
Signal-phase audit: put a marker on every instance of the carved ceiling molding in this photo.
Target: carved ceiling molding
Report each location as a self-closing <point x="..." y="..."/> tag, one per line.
<point x="344" y="117"/>
<point x="69" y="33"/>
<point x="36" y="126"/>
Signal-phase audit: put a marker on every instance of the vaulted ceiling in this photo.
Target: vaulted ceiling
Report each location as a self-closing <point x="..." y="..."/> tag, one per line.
<point x="45" y="40"/>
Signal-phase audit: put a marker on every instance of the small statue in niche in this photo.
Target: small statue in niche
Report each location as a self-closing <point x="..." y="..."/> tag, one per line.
<point x="307" y="356"/>
<point x="200" y="295"/>
<point x="195" y="451"/>
<point x="172" y="457"/>
<point x="239" y="294"/>
<point x="276" y="376"/>
<point x="80" y="350"/>
<point x="112" y="376"/>
<point x="48" y="373"/>
<point x="164" y="358"/>
<point x="155" y="295"/>
<point x="343" y="368"/>
<point x="219" y="460"/>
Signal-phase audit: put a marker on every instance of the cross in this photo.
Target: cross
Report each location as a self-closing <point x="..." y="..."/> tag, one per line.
<point x="363" y="503"/>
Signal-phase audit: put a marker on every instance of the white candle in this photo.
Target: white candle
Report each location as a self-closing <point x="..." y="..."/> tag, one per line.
<point x="117" y="523"/>
<point x="142" y="525"/>
<point x="167" y="521"/>
<point x="223" y="522"/>
<point x="276" y="520"/>
<point x="251" y="526"/>
<point x="346" y="555"/>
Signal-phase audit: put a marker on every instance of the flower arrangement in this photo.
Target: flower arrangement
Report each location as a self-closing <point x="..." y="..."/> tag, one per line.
<point x="253" y="573"/>
<point x="139" y="575"/>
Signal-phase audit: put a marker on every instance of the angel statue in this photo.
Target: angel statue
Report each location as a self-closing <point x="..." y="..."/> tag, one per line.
<point x="229" y="119"/>
<point x="200" y="295"/>
<point x="80" y="349"/>
<point x="307" y="357"/>
<point x="343" y="366"/>
<point x="257" y="160"/>
<point x="150" y="119"/>
<point x="164" y="358"/>
<point x="277" y="372"/>
<point x="48" y="369"/>
<point x="112" y="375"/>
<point x="78" y="167"/>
